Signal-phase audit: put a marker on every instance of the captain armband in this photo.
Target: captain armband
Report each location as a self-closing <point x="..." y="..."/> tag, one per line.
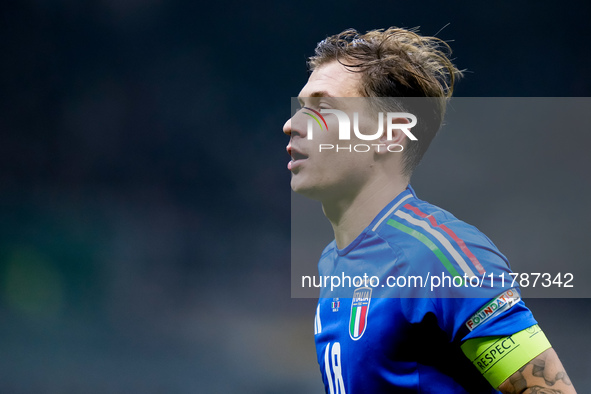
<point x="497" y="358"/>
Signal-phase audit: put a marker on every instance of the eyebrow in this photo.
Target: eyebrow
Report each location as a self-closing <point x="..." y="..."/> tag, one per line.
<point x="319" y="93"/>
<point x="315" y="94"/>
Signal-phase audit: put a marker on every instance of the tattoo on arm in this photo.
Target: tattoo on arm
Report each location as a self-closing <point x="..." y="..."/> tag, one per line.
<point x="551" y="377"/>
<point x="543" y="390"/>
<point x="517" y="382"/>
<point x="542" y="375"/>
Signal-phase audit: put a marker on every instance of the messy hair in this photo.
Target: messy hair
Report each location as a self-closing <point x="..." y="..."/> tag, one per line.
<point x="397" y="63"/>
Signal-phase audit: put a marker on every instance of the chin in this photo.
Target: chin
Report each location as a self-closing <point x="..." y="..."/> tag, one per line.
<point x="306" y="190"/>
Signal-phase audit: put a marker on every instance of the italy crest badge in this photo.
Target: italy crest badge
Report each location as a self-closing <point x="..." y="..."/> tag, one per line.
<point x="359" y="309"/>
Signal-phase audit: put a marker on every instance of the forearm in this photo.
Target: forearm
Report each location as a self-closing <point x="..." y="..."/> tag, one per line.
<point x="542" y="375"/>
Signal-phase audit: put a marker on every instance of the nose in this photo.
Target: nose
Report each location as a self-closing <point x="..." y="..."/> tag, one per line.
<point x="287" y="127"/>
<point x="295" y="126"/>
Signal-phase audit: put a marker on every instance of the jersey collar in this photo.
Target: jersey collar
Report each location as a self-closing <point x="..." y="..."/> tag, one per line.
<point x="379" y="219"/>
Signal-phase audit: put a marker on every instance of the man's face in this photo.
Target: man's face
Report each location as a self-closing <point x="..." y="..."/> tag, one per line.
<point x="328" y="174"/>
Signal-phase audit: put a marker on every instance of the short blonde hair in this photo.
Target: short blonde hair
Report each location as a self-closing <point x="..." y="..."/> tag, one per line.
<point x="397" y="63"/>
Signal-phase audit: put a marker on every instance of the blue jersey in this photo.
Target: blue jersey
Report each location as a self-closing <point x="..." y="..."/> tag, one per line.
<point x="414" y="285"/>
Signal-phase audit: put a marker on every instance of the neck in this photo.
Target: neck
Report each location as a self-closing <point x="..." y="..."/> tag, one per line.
<point x="350" y="215"/>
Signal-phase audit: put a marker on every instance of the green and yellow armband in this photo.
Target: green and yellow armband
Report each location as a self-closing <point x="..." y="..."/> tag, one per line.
<point x="497" y="358"/>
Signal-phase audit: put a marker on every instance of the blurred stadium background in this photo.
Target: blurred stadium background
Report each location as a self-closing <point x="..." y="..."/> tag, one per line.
<point x="145" y="206"/>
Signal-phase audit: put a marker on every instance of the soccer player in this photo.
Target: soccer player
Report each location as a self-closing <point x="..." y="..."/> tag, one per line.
<point x="459" y="333"/>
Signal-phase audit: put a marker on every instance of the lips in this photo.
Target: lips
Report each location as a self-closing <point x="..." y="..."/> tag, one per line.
<point x="297" y="157"/>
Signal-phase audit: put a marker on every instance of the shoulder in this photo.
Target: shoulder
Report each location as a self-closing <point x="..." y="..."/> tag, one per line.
<point x="427" y="232"/>
<point x="327" y="258"/>
<point x="459" y="263"/>
<point x="428" y="219"/>
<point x="328" y="249"/>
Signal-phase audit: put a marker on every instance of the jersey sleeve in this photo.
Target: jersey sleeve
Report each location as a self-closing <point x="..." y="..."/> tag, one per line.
<point x="480" y="312"/>
<point x="467" y="278"/>
<point x="489" y="304"/>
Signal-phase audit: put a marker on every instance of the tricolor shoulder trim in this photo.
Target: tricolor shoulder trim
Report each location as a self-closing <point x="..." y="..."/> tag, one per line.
<point x="395" y="207"/>
<point x="453" y="235"/>
<point x="441" y="233"/>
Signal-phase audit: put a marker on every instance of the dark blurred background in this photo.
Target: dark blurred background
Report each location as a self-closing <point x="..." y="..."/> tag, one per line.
<point x="145" y="202"/>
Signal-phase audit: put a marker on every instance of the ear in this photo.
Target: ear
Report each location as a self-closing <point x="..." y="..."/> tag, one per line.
<point x="397" y="142"/>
